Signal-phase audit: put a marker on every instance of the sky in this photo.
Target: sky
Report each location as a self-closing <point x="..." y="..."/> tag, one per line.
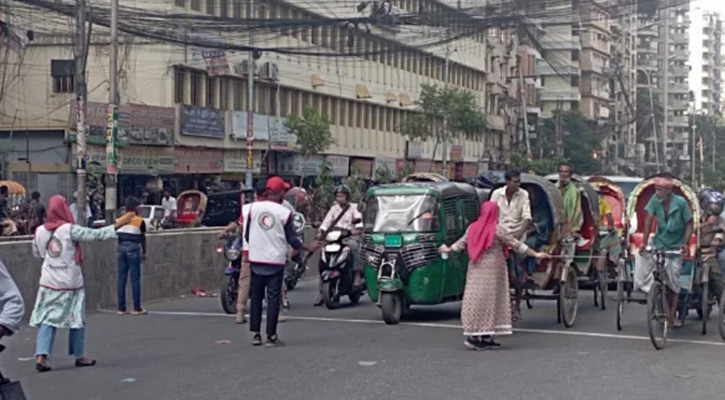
<point x="712" y="5"/>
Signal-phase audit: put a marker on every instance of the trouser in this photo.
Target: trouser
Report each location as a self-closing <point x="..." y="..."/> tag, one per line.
<point x="244" y="282"/>
<point x="353" y="242"/>
<point x="534" y="243"/>
<point x="716" y="281"/>
<point x="46" y="337"/>
<point x="272" y="286"/>
<point x="129" y="262"/>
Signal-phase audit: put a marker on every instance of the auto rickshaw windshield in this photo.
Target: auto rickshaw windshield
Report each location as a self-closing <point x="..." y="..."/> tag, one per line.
<point x="401" y="213"/>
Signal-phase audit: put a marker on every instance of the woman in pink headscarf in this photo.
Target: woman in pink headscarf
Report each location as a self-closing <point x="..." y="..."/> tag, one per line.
<point x="486" y="301"/>
<point x="61" y="298"/>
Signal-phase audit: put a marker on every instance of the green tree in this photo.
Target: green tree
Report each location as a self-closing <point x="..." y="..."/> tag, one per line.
<point x="312" y="131"/>
<point x="457" y="107"/>
<point x="322" y="195"/>
<point x="356" y="184"/>
<point x="581" y="145"/>
<point x="545" y="166"/>
<point x="407" y="170"/>
<point x="383" y="175"/>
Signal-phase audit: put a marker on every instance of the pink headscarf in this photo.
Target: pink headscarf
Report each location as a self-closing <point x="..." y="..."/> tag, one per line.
<point x="482" y="232"/>
<point x="59" y="214"/>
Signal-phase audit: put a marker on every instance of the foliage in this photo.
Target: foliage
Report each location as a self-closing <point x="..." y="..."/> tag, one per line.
<point x="383" y="175"/>
<point x="312" y="131"/>
<point x="545" y="166"/>
<point x="322" y="195"/>
<point x="436" y="104"/>
<point x="407" y="170"/>
<point x="356" y="184"/>
<point x="581" y="143"/>
<point x="712" y="132"/>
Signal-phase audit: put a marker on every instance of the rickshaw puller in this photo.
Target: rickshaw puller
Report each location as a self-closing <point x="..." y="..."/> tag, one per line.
<point x="674" y="230"/>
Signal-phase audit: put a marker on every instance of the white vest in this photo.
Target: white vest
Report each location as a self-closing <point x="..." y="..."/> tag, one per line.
<point x="60" y="270"/>
<point x="267" y="240"/>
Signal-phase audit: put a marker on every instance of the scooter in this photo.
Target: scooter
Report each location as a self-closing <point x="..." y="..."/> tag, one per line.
<point x="336" y="264"/>
<point x="232" y="251"/>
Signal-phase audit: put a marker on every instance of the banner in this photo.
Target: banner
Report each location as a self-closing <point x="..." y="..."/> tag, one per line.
<point x="136" y="124"/>
<point x="340" y="165"/>
<point x="216" y="62"/>
<point x="193" y="160"/>
<point x="134" y="160"/>
<point x="235" y="161"/>
<point x="261" y="126"/>
<point x="203" y="122"/>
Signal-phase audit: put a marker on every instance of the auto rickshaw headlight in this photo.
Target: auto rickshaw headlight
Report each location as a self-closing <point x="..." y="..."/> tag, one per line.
<point x="231" y="254"/>
<point x="333" y="236"/>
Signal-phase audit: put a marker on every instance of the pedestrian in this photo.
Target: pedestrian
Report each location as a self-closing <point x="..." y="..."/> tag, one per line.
<point x="37" y="211"/>
<point x="168" y="203"/>
<point x="131" y="253"/>
<point x="486" y="311"/>
<point x="269" y="231"/>
<point x="61" y="300"/>
<point x="12" y="308"/>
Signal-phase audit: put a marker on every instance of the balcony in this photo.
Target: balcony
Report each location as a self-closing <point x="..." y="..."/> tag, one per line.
<point x="495" y="122"/>
<point x="680" y="38"/>
<point x="597" y="92"/>
<point x="679" y="71"/>
<point x="563" y="95"/>
<point x="680" y="121"/>
<point x="552" y="44"/>
<point x="591" y="42"/>
<point x="682" y="56"/>
<point x="649" y="31"/>
<point x="542" y="68"/>
<point x="647" y="48"/>
<point x="678" y="88"/>
<point x="678" y="104"/>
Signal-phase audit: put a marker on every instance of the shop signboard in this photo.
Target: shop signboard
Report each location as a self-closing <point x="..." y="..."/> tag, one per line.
<point x="414" y="150"/>
<point x="262" y="125"/>
<point x="203" y="122"/>
<point x="235" y="161"/>
<point x="137" y="124"/>
<point x="279" y="136"/>
<point x="456" y="153"/>
<point x="340" y="165"/>
<point x="195" y="160"/>
<point x="134" y="160"/>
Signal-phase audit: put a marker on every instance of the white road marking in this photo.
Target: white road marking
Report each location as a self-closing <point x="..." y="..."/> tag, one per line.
<point x="437" y="325"/>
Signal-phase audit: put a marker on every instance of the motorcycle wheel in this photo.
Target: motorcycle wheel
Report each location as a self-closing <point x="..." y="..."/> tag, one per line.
<point x="355" y="297"/>
<point x="330" y="295"/>
<point x="228" y="297"/>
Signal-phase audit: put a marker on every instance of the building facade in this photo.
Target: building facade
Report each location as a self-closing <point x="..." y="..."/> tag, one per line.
<point x="706" y="61"/>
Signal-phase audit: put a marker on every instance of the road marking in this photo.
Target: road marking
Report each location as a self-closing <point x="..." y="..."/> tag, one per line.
<point x="437" y="325"/>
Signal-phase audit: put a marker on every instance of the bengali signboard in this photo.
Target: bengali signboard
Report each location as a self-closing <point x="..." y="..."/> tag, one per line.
<point x="203" y="122"/>
<point x="136" y="124"/>
<point x="340" y="165"/>
<point x="261" y="126"/>
<point x="193" y="160"/>
<point x="293" y="164"/>
<point x="235" y="161"/>
<point x="456" y="153"/>
<point x="216" y="62"/>
<point x="279" y="136"/>
<point x="134" y="160"/>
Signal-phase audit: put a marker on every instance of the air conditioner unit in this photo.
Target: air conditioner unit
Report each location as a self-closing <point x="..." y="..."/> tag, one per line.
<point x="269" y="71"/>
<point x="242" y="68"/>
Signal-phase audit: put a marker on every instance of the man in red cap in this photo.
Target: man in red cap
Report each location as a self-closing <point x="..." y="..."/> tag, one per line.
<point x="269" y="231"/>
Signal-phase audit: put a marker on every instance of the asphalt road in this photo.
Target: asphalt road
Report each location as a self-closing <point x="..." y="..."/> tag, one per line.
<point x="187" y="349"/>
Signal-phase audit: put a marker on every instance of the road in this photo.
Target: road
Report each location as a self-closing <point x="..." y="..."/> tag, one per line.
<point x="187" y="349"/>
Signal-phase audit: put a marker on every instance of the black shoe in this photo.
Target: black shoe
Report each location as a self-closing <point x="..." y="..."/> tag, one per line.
<point x="257" y="340"/>
<point x="490" y="343"/>
<point x="474" y="344"/>
<point x="42" y="368"/>
<point x="80" y="364"/>
<point x="273" y="341"/>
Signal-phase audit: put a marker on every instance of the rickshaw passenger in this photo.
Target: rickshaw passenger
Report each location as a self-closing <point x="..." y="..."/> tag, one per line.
<point x="711" y="222"/>
<point x="538" y="235"/>
<point x="612" y="238"/>
<point x="572" y="200"/>
<point x="674" y="229"/>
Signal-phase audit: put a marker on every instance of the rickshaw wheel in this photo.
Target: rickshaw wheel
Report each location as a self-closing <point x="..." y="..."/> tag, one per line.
<point x="657" y="313"/>
<point x="330" y="296"/>
<point x="603" y="288"/>
<point x="721" y="316"/>
<point x="392" y="307"/>
<point x="529" y="300"/>
<point x="705" y="308"/>
<point x="569" y="296"/>
<point x="620" y="304"/>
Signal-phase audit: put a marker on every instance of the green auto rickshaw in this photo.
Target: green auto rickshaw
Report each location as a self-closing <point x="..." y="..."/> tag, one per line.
<point x="404" y="226"/>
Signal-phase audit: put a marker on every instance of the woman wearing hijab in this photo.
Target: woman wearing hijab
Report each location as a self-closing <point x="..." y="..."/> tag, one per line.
<point x="486" y="300"/>
<point x="61" y="298"/>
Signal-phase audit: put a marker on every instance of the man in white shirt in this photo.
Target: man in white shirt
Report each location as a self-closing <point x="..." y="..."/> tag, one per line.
<point x="514" y="215"/>
<point x="168" y="203"/>
<point x="351" y="213"/>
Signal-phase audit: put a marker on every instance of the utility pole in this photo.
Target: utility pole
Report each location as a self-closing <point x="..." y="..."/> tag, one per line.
<point x="653" y="119"/>
<point x="446" y="76"/>
<point x="665" y="100"/>
<point x="80" y="89"/>
<point x="524" y="115"/>
<point x="112" y="122"/>
<point x="558" y="133"/>
<point x="250" y="103"/>
<point x="694" y="151"/>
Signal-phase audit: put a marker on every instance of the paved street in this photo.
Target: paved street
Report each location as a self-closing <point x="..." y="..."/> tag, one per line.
<point x="180" y="351"/>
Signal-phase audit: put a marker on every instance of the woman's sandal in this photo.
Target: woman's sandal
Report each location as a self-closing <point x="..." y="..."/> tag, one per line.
<point x="80" y="364"/>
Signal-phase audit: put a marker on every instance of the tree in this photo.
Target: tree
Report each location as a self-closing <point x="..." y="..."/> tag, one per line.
<point x="581" y="145"/>
<point x="383" y="175"/>
<point x="322" y="195"/>
<point x="312" y="131"/>
<point x="457" y="107"/>
<point x="356" y="184"/>
<point x="545" y="166"/>
<point x="407" y="170"/>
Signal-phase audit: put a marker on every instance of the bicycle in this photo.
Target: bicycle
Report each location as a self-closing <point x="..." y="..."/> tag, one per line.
<point x="657" y="305"/>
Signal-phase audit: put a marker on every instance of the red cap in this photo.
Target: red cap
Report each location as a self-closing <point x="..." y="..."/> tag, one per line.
<point x="277" y="184"/>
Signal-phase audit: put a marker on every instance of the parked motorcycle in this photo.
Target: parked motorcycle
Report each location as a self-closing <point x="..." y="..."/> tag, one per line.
<point x="336" y="264"/>
<point x="232" y="251"/>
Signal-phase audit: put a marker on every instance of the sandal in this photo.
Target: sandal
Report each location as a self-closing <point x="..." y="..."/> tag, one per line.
<point x="81" y="364"/>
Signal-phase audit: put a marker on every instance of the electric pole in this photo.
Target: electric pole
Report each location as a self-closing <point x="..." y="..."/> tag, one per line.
<point x="112" y="122"/>
<point x="250" y="103"/>
<point x="446" y="74"/>
<point x="80" y="89"/>
<point x="522" y="93"/>
<point x="665" y="100"/>
<point x="558" y="133"/>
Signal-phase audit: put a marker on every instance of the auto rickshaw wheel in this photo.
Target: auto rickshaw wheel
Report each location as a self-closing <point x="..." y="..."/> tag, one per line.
<point x="330" y="296"/>
<point x="620" y="304"/>
<point x="569" y="297"/>
<point x="392" y="307"/>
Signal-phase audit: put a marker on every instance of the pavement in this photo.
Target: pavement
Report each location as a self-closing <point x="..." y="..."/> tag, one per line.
<point x="186" y="348"/>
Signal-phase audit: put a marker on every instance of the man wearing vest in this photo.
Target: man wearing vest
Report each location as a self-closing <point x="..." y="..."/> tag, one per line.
<point x="269" y="231"/>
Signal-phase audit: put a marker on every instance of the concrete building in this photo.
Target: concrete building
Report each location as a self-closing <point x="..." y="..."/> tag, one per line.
<point x="184" y="108"/>
<point x="706" y="61"/>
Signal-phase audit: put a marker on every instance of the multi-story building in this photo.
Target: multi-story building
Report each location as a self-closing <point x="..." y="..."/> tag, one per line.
<point x="706" y="61"/>
<point x="184" y="108"/>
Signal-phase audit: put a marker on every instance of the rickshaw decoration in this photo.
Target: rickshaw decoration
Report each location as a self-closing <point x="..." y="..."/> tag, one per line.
<point x="191" y="208"/>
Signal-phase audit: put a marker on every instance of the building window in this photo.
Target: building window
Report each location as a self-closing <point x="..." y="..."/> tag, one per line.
<point x="575" y="80"/>
<point x="179" y="85"/>
<point x="181" y="3"/>
<point x="64" y="75"/>
<point x="209" y="7"/>
<point x="196" y="89"/>
<point x="224" y="8"/>
<point x="237" y="9"/>
<point x="196" y="5"/>
<point x="575" y="55"/>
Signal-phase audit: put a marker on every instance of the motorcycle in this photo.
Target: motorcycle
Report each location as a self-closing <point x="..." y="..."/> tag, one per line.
<point x="10" y="390"/>
<point x="297" y="266"/>
<point x="336" y="264"/>
<point x="232" y="252"/>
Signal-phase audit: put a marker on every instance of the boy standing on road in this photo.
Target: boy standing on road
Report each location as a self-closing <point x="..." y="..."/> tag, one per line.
<point x="131" y="252"/>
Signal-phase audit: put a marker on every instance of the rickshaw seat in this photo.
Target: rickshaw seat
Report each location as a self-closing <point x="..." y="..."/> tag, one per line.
<point x="186" y="218"/>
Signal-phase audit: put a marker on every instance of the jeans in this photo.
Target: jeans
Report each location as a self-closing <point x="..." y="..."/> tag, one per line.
<point x="535" y="244"/>
<point x="272" y="286"/>
<point x="129" y="261"/>
<point x="46" y="337"/>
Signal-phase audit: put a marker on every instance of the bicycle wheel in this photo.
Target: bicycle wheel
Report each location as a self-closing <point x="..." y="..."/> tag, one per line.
<point x="569" y="297"/>
<point x="657" y="312"/>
